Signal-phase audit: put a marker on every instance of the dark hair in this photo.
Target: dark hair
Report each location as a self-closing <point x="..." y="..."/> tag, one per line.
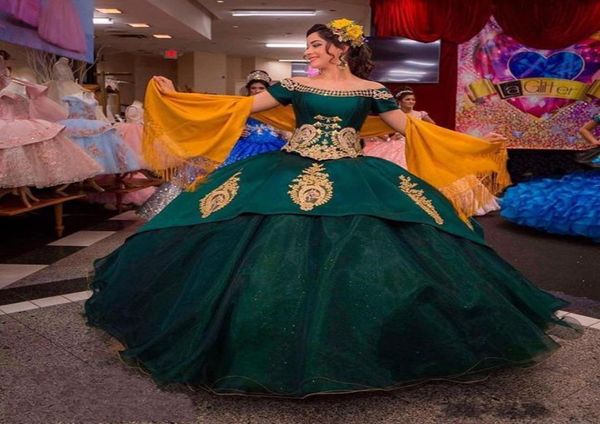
<point x="249" y="83"/>
<point x="404" y="91"/>
<point x="358" y="58"/>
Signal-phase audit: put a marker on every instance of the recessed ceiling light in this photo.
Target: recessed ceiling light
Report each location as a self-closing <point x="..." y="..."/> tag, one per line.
<point x="220" y="1"/>
<point x="109" y="11"/>
<point x="240" y="12"/>
<point x="103" y="21"/>
<point x="235" y="26"/>
<point x="139" y="25"/>
<point x="286" y="45"/>
<point x="161" y="36"/>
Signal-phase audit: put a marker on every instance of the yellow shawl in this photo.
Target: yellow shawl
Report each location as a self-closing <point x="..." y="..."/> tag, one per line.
<point x="204" y="127"/>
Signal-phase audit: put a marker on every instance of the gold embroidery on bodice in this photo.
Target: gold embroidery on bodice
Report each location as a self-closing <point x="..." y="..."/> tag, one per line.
<point x="376" y="93"/>
<point x="325" y="139"/>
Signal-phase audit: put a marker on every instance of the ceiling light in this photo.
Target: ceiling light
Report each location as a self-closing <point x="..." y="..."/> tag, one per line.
<point x="161" y="36"/>
<point x="220" y="1"/>
<point x="139" y="25"/>
<point x="103" y="21"/>
<point x="273" y="12"/>
<point x="109" y="11"/>
<point x="293" y="60"/>
<point x="286" y="45"/>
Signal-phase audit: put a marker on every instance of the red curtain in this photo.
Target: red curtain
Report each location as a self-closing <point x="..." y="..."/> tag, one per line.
<point x="429" y="20"/>
<point x="548" y="24"/>
<point x="540" y="24"/>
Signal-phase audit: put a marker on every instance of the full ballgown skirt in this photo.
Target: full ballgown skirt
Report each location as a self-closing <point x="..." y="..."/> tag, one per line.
<point x="60" y="24"/>
<point x="286" y="275"/>
<point x="36" y="152"/>
<point x="99" y="139"/>
<point x="569" y="205"/>
<point x="261" y="138"/>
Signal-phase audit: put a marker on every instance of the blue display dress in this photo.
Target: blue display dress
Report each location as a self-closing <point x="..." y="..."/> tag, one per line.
<point x="99" y="139"/>
<point x="567" y="205"/>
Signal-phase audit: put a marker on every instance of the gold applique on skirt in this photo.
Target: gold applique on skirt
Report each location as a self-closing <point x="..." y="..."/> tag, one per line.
<point x="220" y="196"/>
<point x="417" y="196"/>
<point x="312" y="188"/>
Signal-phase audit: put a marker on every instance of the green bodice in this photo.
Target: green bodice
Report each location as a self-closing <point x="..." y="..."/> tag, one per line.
<point x="328" y="121"/>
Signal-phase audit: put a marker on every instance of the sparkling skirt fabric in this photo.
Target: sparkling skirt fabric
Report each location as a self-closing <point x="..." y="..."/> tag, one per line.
<point x="54" y="161"/>
<point x="297" y="304"/>
<point x="569" y="205"/>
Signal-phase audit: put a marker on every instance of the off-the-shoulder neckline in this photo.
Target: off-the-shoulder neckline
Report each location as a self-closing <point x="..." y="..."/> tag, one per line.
<point x="291" y="84"/>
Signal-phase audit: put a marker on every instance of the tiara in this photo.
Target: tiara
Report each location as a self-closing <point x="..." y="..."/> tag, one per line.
<point x="401" y="92"/>
<point x="258" y="76"/>
<point x="347" y="30"/>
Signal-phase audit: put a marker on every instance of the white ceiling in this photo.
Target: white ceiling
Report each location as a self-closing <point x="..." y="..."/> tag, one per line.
<point x="248" y="39"/>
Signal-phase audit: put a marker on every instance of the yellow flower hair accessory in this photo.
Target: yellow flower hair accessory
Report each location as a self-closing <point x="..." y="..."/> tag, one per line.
<point x="347" y="30"/>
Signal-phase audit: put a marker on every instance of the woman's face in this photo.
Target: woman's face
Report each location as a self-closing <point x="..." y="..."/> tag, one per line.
<point x="316" y="52"/>
<point x="408" y="102"/>
<point x="255" y="88"/>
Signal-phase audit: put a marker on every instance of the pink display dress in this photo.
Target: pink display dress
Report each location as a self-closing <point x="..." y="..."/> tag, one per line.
<point x="392" y="149"/>
<point x="35" y="151"/>
<point x="26" y="11"/>
<point x="60" y="24"/>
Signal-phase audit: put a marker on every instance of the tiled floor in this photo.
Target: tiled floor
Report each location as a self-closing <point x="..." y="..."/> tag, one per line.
<point x="10" y="273"/>
<point x="61" y="371"/>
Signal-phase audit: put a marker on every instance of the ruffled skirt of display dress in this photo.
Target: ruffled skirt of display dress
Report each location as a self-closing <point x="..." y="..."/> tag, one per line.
<point x="568" y="205"/>
<point x="285" y="276"/>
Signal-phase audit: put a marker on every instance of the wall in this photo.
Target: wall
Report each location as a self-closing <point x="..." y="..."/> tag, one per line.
<point x="234" y="74"/>
<point x="276" y="70"/>
<point x="148" y="66"/>
<point x="210" y="72"/>
<point x="185" y="72"/>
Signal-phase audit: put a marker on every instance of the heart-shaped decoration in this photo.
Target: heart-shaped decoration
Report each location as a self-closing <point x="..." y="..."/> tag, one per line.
<point x="562" y="65"/>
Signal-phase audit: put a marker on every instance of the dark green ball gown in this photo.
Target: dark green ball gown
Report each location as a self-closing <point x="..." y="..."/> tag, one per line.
<point x="316" y="270"/>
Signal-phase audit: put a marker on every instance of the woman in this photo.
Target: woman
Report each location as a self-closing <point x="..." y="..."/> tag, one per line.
<point x="256" y="138"/>
<point x="392" y="147"/>
<point x="569" y="205"/>
<point x="313" y="269"/>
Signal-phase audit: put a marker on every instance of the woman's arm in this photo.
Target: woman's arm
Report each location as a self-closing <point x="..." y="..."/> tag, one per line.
<point x="261" y="102"/>
<point x="427" y="118"/>
<point x="396" y="119"/>
<point x="586" y="132"/>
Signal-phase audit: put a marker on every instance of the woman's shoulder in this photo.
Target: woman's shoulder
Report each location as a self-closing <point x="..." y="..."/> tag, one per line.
<point x="371" y="85"/>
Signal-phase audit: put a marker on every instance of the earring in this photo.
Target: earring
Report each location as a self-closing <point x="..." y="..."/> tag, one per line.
<point x="343" y="63"/>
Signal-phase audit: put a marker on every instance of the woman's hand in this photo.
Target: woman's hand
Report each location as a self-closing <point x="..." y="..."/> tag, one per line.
<point x="165" y="85"/>
<point x="493" y="137"/>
